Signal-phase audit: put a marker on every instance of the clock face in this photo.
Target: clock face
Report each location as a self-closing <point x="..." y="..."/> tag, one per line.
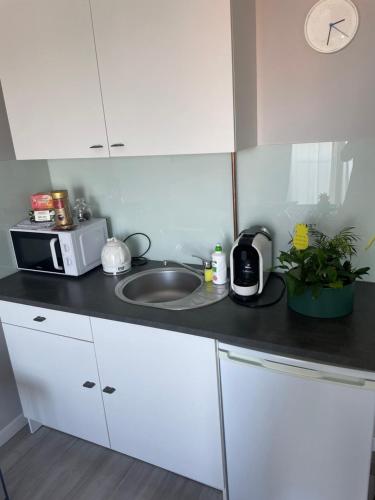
<point x="331" y="25"/>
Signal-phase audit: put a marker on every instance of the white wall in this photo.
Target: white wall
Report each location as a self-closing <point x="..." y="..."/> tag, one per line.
<point x="10" y="407"/>
<point x="17" y="181"/>
<point x="306" y="96"/>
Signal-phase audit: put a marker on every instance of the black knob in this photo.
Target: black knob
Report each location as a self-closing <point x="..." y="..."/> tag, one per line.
<point x="39" y="319"/>
<point x="117" y="145"/>
<point x="89" y="385"/>
<point x="96" y="146"/>
<point x="109" y="390"/>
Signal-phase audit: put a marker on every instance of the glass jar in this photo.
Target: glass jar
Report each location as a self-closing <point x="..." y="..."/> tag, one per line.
<point x="82" y="210"/>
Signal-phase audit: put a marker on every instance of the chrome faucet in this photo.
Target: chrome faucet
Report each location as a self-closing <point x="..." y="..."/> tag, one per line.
<point x="205" y="263"/>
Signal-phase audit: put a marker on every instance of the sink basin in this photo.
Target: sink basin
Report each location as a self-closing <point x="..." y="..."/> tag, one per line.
<point x="173" y="288"/>
<point x="162" y="285"/>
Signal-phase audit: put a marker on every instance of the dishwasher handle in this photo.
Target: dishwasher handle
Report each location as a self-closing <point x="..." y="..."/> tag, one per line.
<point x="298" y="371"/>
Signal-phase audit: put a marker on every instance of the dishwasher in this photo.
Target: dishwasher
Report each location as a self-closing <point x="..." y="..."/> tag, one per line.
<point x="294" y="430"/>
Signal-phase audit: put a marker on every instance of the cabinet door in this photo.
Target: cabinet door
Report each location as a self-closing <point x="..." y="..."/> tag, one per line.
<point x="50" y="371"/>
<point x="166" y="73"/>
<point x="50" y="80"/>
<point x="165" y="407"/>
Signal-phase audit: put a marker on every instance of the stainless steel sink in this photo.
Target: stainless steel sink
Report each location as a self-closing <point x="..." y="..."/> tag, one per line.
<point x="172" y="288"/>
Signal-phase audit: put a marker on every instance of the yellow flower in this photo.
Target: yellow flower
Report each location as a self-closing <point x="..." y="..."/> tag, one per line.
<point x="301" y="237"/>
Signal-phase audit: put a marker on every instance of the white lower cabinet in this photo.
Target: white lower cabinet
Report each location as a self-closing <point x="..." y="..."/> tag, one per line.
<point x="161" y="398"/>
<point x="292" y="430"/>
<point x="58" y="382"/>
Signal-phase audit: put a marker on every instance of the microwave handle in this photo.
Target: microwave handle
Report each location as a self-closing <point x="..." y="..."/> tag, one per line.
<point x="52" y="245"/>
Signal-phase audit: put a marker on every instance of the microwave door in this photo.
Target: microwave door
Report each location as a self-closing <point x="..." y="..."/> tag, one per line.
<point x="38" y="252"/>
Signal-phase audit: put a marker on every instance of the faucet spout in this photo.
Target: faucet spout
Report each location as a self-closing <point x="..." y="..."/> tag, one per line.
<point x="186" y="266"/>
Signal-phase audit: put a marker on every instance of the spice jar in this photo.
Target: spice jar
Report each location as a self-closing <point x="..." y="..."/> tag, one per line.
<point x="63" y="217"/>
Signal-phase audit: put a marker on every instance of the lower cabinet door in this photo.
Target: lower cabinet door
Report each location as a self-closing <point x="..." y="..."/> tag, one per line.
<point x="58" y="382"/>
<point x="161" y="398"/>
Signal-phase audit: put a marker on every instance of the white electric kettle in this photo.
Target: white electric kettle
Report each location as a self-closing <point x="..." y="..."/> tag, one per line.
<point x="116" y="257"/>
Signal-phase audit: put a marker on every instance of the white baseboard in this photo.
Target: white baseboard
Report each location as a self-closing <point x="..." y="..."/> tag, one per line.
<point x="12" y="428"/>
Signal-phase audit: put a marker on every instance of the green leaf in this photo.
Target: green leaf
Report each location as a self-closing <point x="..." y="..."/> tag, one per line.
<point x="361" y="271"/>
<point x="295" y="287"/>
<point x="331" y="273"/>
<point x="336" y="284"/>
<point x="295" y="273"/>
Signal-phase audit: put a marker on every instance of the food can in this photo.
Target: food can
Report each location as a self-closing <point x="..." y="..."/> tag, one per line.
<point x="63" y="217"/>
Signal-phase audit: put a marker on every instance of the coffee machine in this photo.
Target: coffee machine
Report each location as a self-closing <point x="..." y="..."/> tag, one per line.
<point x="250" y="263"/>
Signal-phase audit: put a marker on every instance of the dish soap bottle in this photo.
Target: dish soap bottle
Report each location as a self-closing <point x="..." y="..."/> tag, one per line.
<point x="208" y="272"/>
<point x="219" y="265"/>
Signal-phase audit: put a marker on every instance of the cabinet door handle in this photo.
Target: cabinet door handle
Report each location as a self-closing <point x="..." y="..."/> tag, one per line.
<point x="109" y="390"/>
<point x="96" y="146"/>
<point x="117" y="145"/>
<point x="39" y="319"/>
<point x="89" y="385"/>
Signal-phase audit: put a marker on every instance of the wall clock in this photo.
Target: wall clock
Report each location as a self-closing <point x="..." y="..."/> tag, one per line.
<point x="331" y="25"/>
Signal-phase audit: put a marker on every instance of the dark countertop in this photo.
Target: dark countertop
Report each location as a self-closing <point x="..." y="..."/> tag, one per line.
<point x="348" y="342"/>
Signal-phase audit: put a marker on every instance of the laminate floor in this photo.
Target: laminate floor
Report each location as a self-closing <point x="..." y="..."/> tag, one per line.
<point x="50" y="465"/>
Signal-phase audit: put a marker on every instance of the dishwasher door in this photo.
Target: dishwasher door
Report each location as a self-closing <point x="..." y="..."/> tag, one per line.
<point x="293" y="433"/>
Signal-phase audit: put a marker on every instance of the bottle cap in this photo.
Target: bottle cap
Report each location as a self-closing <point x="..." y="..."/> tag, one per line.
<point x="218" y="247"/>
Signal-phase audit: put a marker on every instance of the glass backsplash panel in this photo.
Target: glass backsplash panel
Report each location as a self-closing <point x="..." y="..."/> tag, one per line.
<point x="184" y="202"/>
<point x="327" y="184"/>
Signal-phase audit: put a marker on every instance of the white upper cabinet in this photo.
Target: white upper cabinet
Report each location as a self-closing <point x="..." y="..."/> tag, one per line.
<point x="49" y="76"/>
<point x="157" y="78"/>
<point x="166" y="75"/>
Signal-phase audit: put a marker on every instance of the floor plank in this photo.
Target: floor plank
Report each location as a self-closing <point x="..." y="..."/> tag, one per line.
<point x="19" y="445"/>
<point x="51" y="465"/>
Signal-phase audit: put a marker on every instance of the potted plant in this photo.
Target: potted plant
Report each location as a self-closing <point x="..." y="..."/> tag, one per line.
<point x="319" y="273"/>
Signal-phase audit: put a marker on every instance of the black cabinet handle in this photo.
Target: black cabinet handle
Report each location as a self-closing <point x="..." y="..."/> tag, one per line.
<point x="39" y="319"/>
<point x="117" y="145"/>
<point x="89" y="385"/>
<point x="96" y="146"/>
<point x="109" y="390"/>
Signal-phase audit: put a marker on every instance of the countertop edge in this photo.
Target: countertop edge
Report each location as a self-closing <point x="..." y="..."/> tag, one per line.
<point x="264" y="346"/>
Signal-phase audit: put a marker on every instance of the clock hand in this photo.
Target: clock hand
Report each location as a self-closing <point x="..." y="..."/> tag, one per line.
<point x="337" y="22"/>
<point x="338" y="29"/>
<point x="329" y="33"/>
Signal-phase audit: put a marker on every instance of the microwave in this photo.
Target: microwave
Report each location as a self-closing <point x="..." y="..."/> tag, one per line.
<point x="57" y="251"/>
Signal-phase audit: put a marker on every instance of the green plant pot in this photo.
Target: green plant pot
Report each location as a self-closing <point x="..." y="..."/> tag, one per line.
<point x="331" y="303"/>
